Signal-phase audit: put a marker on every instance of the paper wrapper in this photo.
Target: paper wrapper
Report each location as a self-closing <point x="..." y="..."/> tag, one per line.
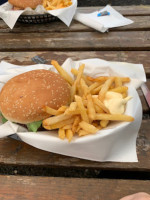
<point x="115" y="143"/>
<point x="103" y="23"/>
<point x="10" y="16"/>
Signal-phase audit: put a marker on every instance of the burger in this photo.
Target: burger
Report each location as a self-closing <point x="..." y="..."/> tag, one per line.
<point x="23" y="97"/>
<point x="22" y="4"/>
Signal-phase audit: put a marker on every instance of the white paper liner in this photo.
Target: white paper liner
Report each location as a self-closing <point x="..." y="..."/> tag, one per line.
<point x="115" y="143"/>
<point x="10" y="16"/>
<point x="103" y="23"/>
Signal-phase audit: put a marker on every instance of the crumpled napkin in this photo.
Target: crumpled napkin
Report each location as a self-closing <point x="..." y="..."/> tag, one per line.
<point x="103" y="23"/>
<point x="10" y="16"/>
<point x="117" y="142"/>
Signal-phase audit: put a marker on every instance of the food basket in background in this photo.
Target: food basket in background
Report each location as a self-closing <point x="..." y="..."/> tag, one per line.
<point x="38" y="15"/>
<point x="37" y="19"/>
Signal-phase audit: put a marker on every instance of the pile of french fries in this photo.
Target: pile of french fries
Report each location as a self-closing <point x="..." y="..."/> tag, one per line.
<point x="56" y="4"/>
<point x="86" y="113"/>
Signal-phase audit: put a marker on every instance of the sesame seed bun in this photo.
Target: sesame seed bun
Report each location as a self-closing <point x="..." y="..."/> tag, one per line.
<point x="25" y="3"/>
<point x="23" y="97"/>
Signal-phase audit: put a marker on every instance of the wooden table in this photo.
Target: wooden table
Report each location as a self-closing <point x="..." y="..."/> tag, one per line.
<point x="29" y="173"/>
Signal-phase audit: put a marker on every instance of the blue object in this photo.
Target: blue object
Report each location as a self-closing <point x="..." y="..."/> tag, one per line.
<point x="2" y="1"/>
<point x="104" y="13"/>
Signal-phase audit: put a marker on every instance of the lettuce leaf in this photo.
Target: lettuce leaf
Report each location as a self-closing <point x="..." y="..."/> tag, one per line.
<point x="33" y="127"/>
<point x="3" y="118"/>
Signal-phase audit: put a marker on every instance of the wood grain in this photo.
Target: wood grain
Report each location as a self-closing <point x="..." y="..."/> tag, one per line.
<point x="76" y="41"/>
<point x="43" y="188"/>
<point x="128" y="2"/>
<point x="140" y="23"/>
<point x="124" y="10"/>
<point x="17" y="153"/>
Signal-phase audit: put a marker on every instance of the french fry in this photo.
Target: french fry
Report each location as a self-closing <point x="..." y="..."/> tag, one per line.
<point x="55" y="119"/>
<point x="100" y="78"/>
<point x="76" y="82"/>
<point x="100" y="104"/>
<point x="93" y="86"/>
<point x="73" y="106"/>
<point x="114" y="117"/>
<point x="58" y="2"/>
<point x="76" y="123"/>
<point x="98" y="109"/>
<point x="69" y="134"/>
<point x="59" y="124"/>
<point x="73" y="91"/>
<point x="121" y="89"/>
<point x="62" y="109"/>
<point x="61" y="133"/>
<point x="80" y="73"/>
<point x="84" y="87"/>
<point x="104" y="123"/>
<point x="74" y="112"/>
<point x="112" y="86"/>
<point x="85" y="102"/>
<point x="62" y="72"/>
<point x="75" y="72"/>
<point x="88" y="127"/>
<point x="82" y="109"/>
<point x="90" y="107"/>
<point x="50" y="111"/>
<point x="97" y="89"/>
<point x="78" y="129"/>
<point x="79" y="91"/>
<point x="105" y="88"/>
<point x="83" y="133"/>
<point x="123" y="79"/>
<point x="69" y="126"/>
<point x="118" y="82"/>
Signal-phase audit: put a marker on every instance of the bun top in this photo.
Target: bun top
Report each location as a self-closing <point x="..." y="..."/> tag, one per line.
<point x="25" y="3"/>
<point x="23" y="97"/>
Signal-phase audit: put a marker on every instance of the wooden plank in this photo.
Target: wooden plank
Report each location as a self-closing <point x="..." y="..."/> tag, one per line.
<point x="128" y="2"/>
<point x="42" y="188"/>
<point x="76" y="41"/>
<point x="112" y="2"/>
<point x="140" y="23"/>
<point x="124" y="10"/>
<point x="24" y="58"/>
<point x="17" y="153"/>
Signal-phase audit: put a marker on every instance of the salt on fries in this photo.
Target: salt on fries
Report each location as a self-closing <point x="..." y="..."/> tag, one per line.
<point x="87" y="113"/>
<point x="56" y="4"/>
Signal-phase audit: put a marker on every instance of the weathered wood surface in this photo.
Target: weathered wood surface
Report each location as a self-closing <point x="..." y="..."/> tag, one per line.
<point x="18" y="153"/>
<point x="140" y="23"/>
<point x="43" y="188"/>
<point x="124" y="10"/>
<point x="112" y="2"/>
<point x="129" y="2"/>
<point x="76" y="41"/>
